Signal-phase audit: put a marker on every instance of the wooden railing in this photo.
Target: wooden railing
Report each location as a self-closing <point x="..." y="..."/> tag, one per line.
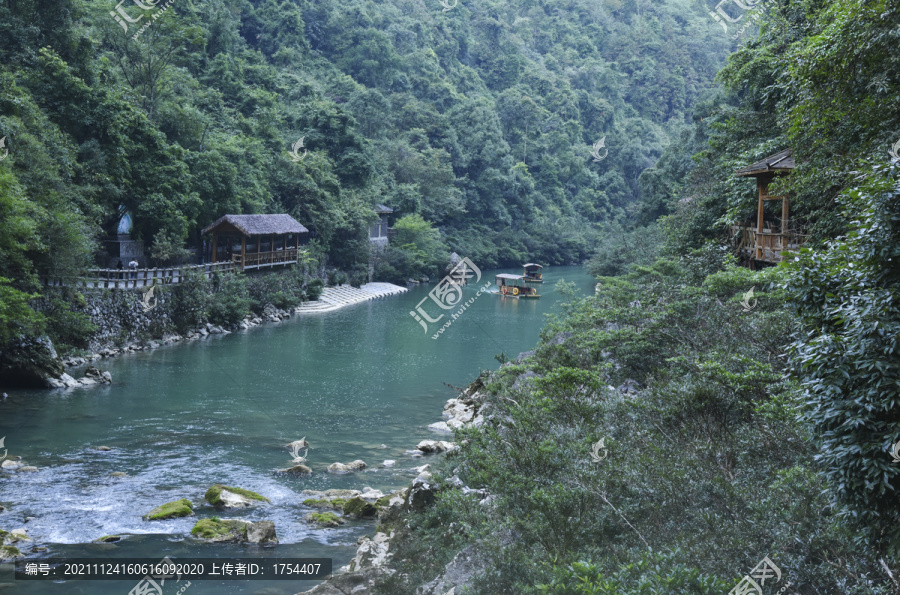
<point x="128" y="278"/>
<point x="766" y="246"/>
<point x="262" y="259"/>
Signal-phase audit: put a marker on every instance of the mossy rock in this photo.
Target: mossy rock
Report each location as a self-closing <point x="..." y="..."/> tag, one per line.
<point x="9" y="537"/>
<point x="317" y="503"/>
<point x="384" y="501"/>
<point x="218" y="530"/>
<point x="339" y="502"/>
<point x="171" y="510"/>
<point x="325" y="519"/>
<point x="109" y="539"/>
<point x="214" y="495"/>
<point x="359" y="508"/>
<point x="8" y="552"/>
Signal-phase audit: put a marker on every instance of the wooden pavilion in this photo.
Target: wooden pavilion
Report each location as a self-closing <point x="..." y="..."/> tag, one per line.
<point x="762" y="243"/>
<point x="255" y="241"/>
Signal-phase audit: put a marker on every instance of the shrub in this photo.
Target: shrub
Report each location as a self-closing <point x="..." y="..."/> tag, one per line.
<point x="230" y="302"/>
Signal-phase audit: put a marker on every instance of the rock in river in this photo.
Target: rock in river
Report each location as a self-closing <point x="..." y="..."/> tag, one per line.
<point x="296" y="470"/>
<point x="229" y="497"/>
<point x="360" y="509"/>
<point x="325" y="519"/>
<point x="435" y="446"/>
<point x="235" y="530"/>
<point x="171" y="510"/>
<point x="342" y="468"/>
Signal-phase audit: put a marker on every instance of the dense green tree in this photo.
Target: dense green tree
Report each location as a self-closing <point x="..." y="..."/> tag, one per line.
<point x="847" y="355"/>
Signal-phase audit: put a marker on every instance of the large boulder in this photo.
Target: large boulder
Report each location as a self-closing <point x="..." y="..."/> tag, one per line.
<point x="171" y="510"/>
<point x="98" y="376"/>
<point x="391" y="508"/>
<point x="235" y="530"/>
<point x="421" y="494"/>
<point x="458" y="410"/>
<point x="433" y="446"/>
<point x="357" y="583"/>
<point x="360" y="509"/>
<point x="347" y="468"/>
<point x="261" y="532"/>
<point x="230" y="497"/>
<point x="372" y="553"/>
<point x="64" y="381"/>
<point x="324" y="519"/>
<point x="459" y="574"/>
<point x="440" y="426"/>
<point x="31" y="363"/>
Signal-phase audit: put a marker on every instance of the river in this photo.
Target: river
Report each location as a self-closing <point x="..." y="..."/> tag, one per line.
<point x="362" y="382"/>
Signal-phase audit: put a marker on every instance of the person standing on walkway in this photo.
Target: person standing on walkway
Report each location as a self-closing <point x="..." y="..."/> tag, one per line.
<point x="121" y="268"/>
<point x="133" y="265"/>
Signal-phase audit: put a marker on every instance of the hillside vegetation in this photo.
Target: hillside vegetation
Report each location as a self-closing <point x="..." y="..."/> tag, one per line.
<point x="731" y="431"/>
<point x="474" y="123"/>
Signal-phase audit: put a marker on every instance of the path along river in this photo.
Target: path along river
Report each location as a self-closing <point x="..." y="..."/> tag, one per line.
<point x="220" y="410"/>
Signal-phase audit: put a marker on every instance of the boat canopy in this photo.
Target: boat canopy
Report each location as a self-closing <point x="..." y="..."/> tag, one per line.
<point x="532" y="265"/>
<point x="508" y="276"/>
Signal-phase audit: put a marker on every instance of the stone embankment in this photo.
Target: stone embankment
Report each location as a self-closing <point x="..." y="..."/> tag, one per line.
<point x="124" y="322"/>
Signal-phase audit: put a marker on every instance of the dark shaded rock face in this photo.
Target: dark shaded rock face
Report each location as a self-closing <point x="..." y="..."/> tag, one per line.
<point x="421" y="495"/>
<point x="29" y="363"/>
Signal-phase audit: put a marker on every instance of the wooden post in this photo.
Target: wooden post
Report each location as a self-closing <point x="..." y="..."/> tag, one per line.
<point x="243" y="250"/>
<point x="785" y="213"/>
<point x="215" y="247"/>
<point x="760" y="215"/>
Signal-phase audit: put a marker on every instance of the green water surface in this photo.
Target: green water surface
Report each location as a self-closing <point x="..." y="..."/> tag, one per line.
<point x="362" y="382"/>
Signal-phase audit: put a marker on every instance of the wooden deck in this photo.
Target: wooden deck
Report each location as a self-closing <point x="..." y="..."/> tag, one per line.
<point x="765" y="246"/>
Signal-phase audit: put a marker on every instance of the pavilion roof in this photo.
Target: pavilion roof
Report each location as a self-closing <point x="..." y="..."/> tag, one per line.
<point x="257" y="225"/>
<point x="781" y="162"/>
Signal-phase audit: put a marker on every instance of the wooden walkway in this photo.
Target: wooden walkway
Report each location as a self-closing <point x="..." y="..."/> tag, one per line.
<point x="128" y="279"/>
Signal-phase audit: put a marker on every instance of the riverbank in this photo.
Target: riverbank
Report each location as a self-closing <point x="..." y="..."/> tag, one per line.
<point x="331" y="299"/>
<point x="371" y="566"/>
<point x="360" y="383"/>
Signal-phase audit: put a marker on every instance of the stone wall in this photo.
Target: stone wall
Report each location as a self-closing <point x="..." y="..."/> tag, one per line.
<point x="126" y="315"/>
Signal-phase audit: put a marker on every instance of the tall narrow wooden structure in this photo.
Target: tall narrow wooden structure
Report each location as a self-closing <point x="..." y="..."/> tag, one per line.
<point x="762" y="243"/>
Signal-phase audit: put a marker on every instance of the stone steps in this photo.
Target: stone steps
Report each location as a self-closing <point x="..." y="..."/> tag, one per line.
<point x="333" y="298"/>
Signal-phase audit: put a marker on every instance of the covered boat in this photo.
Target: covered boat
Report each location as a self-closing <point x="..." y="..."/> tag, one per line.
<point x="533" y="273"/>
<point x="514" y="286"/>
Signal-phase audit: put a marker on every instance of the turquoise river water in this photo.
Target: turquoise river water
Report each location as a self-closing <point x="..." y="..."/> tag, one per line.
<point x="220" y="410"/>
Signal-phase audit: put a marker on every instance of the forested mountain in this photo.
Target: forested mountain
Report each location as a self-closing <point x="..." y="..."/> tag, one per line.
<point x="478" y="118"/>
<point x="732" y="430"/>
<point x="734" y="427"/>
